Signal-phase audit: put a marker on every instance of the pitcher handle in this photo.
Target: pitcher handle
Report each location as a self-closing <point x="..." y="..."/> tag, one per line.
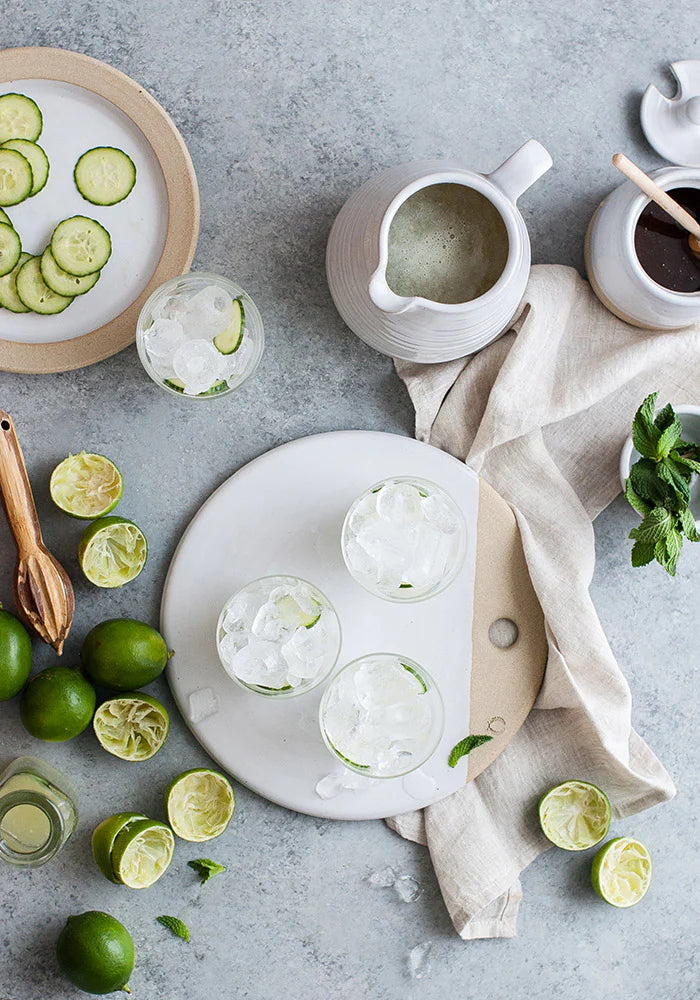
<point x="522" y="169"/>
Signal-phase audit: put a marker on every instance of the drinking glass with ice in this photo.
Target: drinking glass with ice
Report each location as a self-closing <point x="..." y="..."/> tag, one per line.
<point x="404" y="539"/>
<point x="382" y="715"/>
<point x="278" y="636"/>
<point x="200" y="336"/>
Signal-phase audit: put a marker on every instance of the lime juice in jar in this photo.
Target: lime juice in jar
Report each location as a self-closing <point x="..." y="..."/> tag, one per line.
<point x="38" y="812"/>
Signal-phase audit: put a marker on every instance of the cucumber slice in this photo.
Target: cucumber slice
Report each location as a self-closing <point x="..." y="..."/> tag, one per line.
<point x="8" y="290"/>
<point x="20" y="118"/>
<point x="104" y="175"/>
<point x="62" y="283"/>
<point x="80" y="246"/>
<point x="38" y="161"/>
<point x="229" y="340"/>
<point x="4" y="217"/>
<point x="178" y="386"/>
<point x="16" y="180"/>
<point x="10" y="248"/>
<point x="35" y="293"/>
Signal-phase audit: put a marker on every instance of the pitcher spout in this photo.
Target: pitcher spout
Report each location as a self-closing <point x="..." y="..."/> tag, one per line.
<point x="383" y="297"/>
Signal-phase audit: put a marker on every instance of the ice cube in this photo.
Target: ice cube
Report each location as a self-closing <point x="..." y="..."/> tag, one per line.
<point x="304" y="655"/>
<point x="438" y="512"/>
<point x="360" y="562"/>
<point x="208" y="312"/>
<point x="230" y="644"/>
<point x="259" y="662"/>
<point x="419" y="960"/>
<point x="163" y="338"/>
<point x="344" y="780"/>
<point x="407" y="888"/>
<point x="172" y="307"/>
<point x="400" y="503"/>
<point x="431" y="557"/>
<point x="198" y="364"/>
<point x="237" y="363"/>
<point x="240" y="612"/>
<point x="267" y="623"/>
<point x="363" y="511"/>
<point x="384" y="878"/>
<point x="202" y="703"/>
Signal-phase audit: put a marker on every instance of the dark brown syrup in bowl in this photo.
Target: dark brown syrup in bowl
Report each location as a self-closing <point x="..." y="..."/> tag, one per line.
<point x="662" y="245"/>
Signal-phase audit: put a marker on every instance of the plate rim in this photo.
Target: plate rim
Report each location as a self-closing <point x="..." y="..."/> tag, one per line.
<point x="161" y="133"/>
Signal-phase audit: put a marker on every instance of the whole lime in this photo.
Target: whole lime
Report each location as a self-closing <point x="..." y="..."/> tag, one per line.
<point x="57" y="704"/>
<point x="15" y="655"/>
<point x="123" y="654"/>
<point x="96" y="952"/>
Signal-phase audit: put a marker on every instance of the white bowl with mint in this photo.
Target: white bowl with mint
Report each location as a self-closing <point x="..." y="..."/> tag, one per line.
<point x="200" y="336"/>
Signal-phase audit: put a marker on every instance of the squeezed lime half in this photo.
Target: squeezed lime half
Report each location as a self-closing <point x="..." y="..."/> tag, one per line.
<point x="142" y="852"/>
<point x="112" y="552"/>
<point x="86" y="485"/>
<point x="132" y="726"/>
<point x="199" y="804"/>
<point x="575" y="815"/>
<point x="621" y="872"/>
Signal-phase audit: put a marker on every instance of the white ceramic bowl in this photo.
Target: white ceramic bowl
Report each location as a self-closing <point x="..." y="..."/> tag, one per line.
<point x="690" y="418"/>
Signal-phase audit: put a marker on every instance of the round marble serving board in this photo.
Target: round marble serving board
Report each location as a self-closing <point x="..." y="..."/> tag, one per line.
<point x="282" y="513"/>
<point x="154" y="231"/>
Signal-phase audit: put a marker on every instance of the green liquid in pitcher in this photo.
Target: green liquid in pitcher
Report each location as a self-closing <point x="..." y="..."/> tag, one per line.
<point x="447" y="243"/>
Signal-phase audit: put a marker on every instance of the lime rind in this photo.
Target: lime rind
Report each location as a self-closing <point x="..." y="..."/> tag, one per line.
<point x="291" y="613"/>
<point x="621" y="872"/>
<point x="104" y="836"/>
<point x="346" y="760"/>
<point x="112" y="552"/>
<point x="86" y="485"/>
<point x="575" y="815"/>
<point x="412" y="670"/>
<point x="131" y="727"/>
<point x="142" y="853"/>
<point x="199" y="804"/>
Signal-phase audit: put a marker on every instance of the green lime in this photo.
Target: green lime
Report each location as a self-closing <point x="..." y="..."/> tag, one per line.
<point x="142" y="852"/>
<point x="574" y="815"/>
<point x="103" y="838"/>
<point x="292" y="614"/>
<point x="621" y="872"/>
<point x="131" y="726"/>
<point x="123" y="654"/>
<point x="199" y="804"/>
<point x="112" y="551"/>
<point x="96" y="952"/>
<point x="57" y="704"/>
<point x="15" y="655"/>
<point x="86" y="485"/>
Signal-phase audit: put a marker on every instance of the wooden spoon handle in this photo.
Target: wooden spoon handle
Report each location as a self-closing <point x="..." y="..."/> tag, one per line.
<point x="657" y="194"/>
<point x="15" y="488"/>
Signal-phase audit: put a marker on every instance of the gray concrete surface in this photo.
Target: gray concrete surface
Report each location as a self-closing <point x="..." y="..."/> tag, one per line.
<point x="286" y="107"/>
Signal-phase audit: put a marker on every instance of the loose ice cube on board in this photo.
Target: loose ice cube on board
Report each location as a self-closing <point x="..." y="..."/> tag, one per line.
<point x="384" y="878"/>
<point x="209" y="312"/>
<point x="407" y="888"/>
<point x="419" y="960"/>
<point x="202" y="703"/>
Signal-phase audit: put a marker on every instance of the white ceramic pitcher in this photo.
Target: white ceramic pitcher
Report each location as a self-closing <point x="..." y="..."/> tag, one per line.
<point x="412" y="327"/>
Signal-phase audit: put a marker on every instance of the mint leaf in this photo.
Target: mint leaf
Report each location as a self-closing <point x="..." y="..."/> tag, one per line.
<point x="206" y="869"/>
<point x="645" y="435"/>
<point x="465" y="747"/>
<point x="658" y="523"/>
<point x="685" y="458"/>
<point x="668" y="549"/>
<point x="670" y="436"/>
<point x="642" y="553"/>
<point x="175" y="925"/>
<point x="634" y="500"/>
<point x="646" y="483"/>
<point x="688" y="525"/>
<point x="678" y="478"/>
<point x="689" y="448"/>
<point x="665" y="417"/>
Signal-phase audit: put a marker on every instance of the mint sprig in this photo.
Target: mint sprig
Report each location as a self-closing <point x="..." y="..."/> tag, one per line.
<point x="174" y="924"/>
<point x="465" y="747"/>
<point x="206" y="868"/>
<point x="658" y="486"/>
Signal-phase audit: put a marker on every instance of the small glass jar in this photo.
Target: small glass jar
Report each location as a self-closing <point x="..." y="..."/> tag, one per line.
<point x="38" y="812"/>
<point x="164" y="304"/>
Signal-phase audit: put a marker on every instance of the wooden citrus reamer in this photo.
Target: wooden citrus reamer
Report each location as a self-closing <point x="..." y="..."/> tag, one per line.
<point x="43" y="592"/>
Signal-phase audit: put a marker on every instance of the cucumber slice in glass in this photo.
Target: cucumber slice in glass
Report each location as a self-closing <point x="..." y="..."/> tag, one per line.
<point x="20" y="118"/>
<point x="38" y="161"/>
<point x="80" y="245"/>
<point x="8" y="289"/>
<point x="10" y="248"/>
<point x="104" y="175"/>
<point x="4" y="217"/>
<point x="34" y="293"/>
<point x="62" y="283"/>
<point x="229" y="340"/>
<point x="178" y="386"/>
<point x="16" y="179"/>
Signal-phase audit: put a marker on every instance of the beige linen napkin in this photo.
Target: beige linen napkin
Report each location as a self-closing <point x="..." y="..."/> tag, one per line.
<point x="542" y="414"/>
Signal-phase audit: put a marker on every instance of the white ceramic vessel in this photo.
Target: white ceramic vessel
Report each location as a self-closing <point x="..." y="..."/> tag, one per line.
<point x="614" y="271"/>
<point x="414" y="328"/>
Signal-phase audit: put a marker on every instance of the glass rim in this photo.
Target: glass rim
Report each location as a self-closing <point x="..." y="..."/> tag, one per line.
<point x="280" y="692"/>
<point x="55" y="839"/>
<point x="212" y="278"/>
<point x="431" y="686"/>
<point x="448" y="579"/>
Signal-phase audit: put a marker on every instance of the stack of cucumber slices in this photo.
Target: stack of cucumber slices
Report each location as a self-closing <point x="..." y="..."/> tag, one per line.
<point x="46" y="283"/>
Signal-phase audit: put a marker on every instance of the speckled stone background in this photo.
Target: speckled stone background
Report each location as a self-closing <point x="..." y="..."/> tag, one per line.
<point x="286" y="106"/>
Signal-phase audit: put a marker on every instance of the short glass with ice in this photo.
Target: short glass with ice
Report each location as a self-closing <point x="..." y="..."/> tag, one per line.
<point x="404" y="539"/>
<point x="382" y="715"/>
<point x="200" y="336"/>
<point x="278" y="636"/>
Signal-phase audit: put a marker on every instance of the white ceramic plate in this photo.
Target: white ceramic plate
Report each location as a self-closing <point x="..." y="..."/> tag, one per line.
<point x="283" y="513"/>
<point x="75" y="120"/>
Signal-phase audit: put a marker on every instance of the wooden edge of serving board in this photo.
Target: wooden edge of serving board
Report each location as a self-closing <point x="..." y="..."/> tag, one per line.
<point x="504" y="681"/>
<point x="180" y="182"/>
